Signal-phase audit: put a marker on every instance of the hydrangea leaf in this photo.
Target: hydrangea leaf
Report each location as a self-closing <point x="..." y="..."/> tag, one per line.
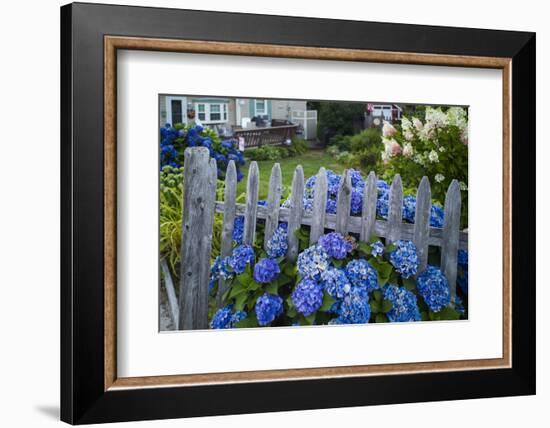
<point x="248" y="322"/>
<point x="409" y="283"/>
<point x="328" y="301"/>
<point x="375" y="306"/>
<point x="310" y="319"/>
<point x="445" y="314"/>
<point x="377" y="294"/>
<point x="386" y="306"/>
<point x="239" y="301"/>
<point x="235" y="290"/>
<point x="380" y="318"/>
<point x="272" y="287"/>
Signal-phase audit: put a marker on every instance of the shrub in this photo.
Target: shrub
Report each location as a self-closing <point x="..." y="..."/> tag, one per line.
<point x="175" y="139"/>
<point x="297" y="147"/>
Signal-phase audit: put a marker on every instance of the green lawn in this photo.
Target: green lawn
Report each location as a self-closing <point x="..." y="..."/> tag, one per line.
<point x="311" y="161"/>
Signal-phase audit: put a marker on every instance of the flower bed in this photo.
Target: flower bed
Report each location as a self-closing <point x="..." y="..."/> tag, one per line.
<point x="175" y="139"/>
<point x="339" y="280"/>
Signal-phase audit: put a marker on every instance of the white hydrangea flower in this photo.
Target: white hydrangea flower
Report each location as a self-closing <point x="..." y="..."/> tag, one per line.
<point x="408" y="150"/>
<point x="463" y="186"/>
<point x="388" y="130"/>
<point x="433" y="156"/>
<point x="439" y="177"/>
<point x="417" y="123"/>
<point x="436" y="118"/>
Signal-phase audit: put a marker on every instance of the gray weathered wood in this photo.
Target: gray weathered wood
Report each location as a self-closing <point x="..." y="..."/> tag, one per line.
<point x="252" y="187"/>
<point x="343" y="203"/>
<point x="450" y="238"/>
<point x="354" y="225"/>
<point x="395" y="211"/>
<point x="319" y="207"/>
<point x="198" y="219"/>
<point x="368" y="212"/>
<point x="273" y="203"/>
<point x="295" y="212"/>
<point x="421" y="232"/>
<point x="170" y="293"/>
<point x="230" y="193"/>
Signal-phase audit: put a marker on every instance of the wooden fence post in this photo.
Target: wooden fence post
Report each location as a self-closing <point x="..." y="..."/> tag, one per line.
<point x="252" y="187"/>
<point x="421" y="232"/>
<point x="273" y="203"/>
<point x="318" y="214"/>
<point x="368" y="212"/>
<point x="229" y="198"/>
<point x="199" y="197"/>
<point x="395" y="211"/>
<point x="343" y="203"/>
<point x="450" y="238"/>
<point x="296" y="209"/>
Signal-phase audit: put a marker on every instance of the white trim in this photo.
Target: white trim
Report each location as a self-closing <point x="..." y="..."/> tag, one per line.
<point x="224" y="111"/>
<point x="266" y="110"/>
<point x="168" y="104"/>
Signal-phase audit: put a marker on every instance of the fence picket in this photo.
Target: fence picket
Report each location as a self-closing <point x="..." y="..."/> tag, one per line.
<point x="422" y="221"/>
<point x="451" y="232"/>
<point x="319" y="206"/>
<point x="273" y="203"/>
<point x="395" y="211"/>
<point x="343" y="203"/>
<point x="199" y="198"/>
<point x="368" y="213"/>
<point x="230" y="193"/>
<point x="296" y="210"/>
<point x="252" y="187"/>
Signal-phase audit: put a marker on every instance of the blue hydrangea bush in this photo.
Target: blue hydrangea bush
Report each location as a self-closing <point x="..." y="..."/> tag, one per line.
<point x="175" y="139"/>
<point x="338" y="280"/>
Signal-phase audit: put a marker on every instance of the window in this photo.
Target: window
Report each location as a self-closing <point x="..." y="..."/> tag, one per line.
<point x="260" y="107"/>
<point x="177" y="110"/>
<point x="201" y="109"/>
<point x="212" y="112"/>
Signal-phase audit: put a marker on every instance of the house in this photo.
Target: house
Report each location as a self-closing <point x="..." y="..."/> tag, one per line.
<point x="228" y="114"/>
<point x="389" y="112"/>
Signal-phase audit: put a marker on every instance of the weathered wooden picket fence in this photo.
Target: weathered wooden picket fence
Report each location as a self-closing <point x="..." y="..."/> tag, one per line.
<point x="200" y="205"/>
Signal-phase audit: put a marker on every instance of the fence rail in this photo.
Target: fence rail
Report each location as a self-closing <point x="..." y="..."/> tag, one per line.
<point x="200" y="205"/>
<point x="256" y="137"/>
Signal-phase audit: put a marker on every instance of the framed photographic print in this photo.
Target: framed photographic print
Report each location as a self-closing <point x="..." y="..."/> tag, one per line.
<point x="265" y="213"/>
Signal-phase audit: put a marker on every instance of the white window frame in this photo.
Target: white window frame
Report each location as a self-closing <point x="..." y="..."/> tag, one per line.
<point x="168" y="105"/>
<point x="256" y="112"/>
<point x="224" y="112"/>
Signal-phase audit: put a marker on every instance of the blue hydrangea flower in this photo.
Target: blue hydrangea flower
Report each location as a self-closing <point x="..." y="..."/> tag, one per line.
<point x="434" y="288"/>
<point x="437" y="216"/>
<point x="462" y="274"/>
<point x="409" y="208"/>
<point x="354" y="308"/>
<point x="312" y="262"/>
<point x="404" y="305"/>
<point x="356" y="203"/>
<point x="361" y="274"/>
<point x="357" y="180"/>
<point x="222" y="318"/>
<point x="308" y="204"/>
<point x="377" y="248"/>
<point x="242" y="255"/>
<point x="266" y="270"/>
<point x="331" y="206"/>
<point x="307" y="296"/>
<point x="226" y="318"/>
<point x="405" y="258"/>
<point x="335" y="245"/>
<point x="218" y="270"/>
<point x="238" y="229"/>
<point x="268" y="307"/>
<point x="383" y="204"/>
<point x="335" y="282"/>
<point x="333" y="183"/>
<point x="277" y="246"/>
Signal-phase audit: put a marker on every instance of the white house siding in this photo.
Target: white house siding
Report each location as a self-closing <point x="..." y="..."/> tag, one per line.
<point x="282" y="109"/>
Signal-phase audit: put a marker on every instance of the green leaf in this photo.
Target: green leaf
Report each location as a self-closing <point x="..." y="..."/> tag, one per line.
<point x="337" y="263"/>
<point x="248" y="322"/>
<point x="272" y="287"/>
<point x="380" y="318"/>
<point x="328" y="301"/>
<point x="364" y="247"/>
<point x="310" y="319"/>
<point x="386" y="306"/>
<point x="239" y="301"/>
<point x="390" y="248"/>
<point x="383" y="270"/>
<point x="448" y="314"/>
<point x="235" y="290"/>
<point x="424" y="316"/>
<point x="409" y="283"/>
<point x="375" y="306"/>
<point x="377" y="294"/>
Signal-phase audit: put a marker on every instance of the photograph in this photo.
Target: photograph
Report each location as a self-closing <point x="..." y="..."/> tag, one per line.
<point x="311" y="212"/>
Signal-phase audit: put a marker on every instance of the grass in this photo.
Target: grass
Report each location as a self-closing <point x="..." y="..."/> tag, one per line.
<point x="311" y="161"/>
